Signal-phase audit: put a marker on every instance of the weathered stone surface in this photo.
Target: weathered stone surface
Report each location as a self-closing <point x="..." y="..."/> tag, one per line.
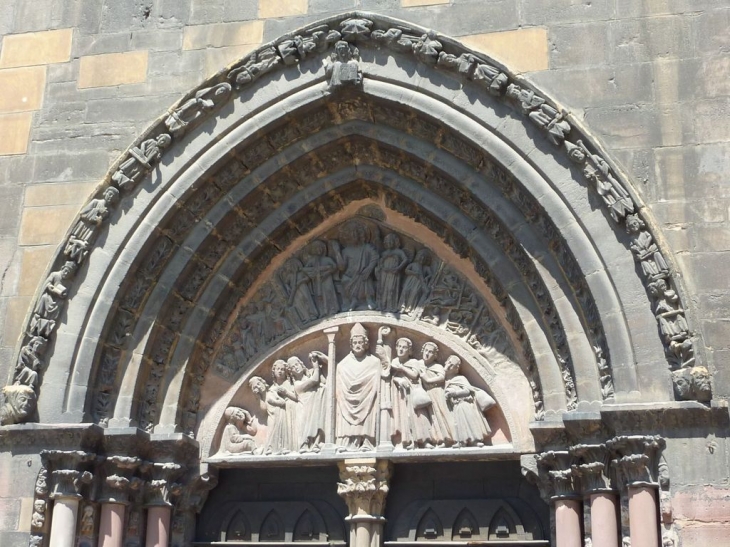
<point x="37" y="48"/>
<point x="220" y="35"/>
<point x="578" y="45"/>
<point x="35" y="260"/>
<point x="281" y="8"/>
<point x="523" y="50"/>
<point x="45" y="225"/>
<point x="15" y="133"/>
<point x="22" y="88"/>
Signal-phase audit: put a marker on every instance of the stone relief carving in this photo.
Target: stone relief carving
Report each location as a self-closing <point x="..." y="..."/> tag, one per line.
<point x="90" y="218"/>
<point x="19" y="403"/>
<point x="140" y="160"/>
<point x="342" y="66"/>
<point x="380" y="395"/>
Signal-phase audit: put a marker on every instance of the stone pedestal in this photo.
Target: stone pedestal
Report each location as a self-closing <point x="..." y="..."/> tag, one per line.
<point x="63" y="522"/>
<point x="643" y="516"/>
<point x="604" y="520"/>
<point x="364" y="487"/>
<point x="111" y="525"/>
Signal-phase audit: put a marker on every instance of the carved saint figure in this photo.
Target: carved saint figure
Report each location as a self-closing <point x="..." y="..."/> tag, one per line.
<point x="279" y="399"/>
<point x="357" y="261"/>
<point x="411" y="403"/>
<point x="29" y="362"/>
<point x="309" y="387"/>
<point x="467" y="404"/>
<point x="194" y="108"/>
<point x="320" y="269"/>
<point x="238" y="435"/>
<point x="342" y="67"/>
<point x="388" y="272"/>
<point x="298" y="288"/>
<point x="19" y="403"/>
<point x="417" y="279"/>
<point x="91" y="216"/>
<point x="433" y="378"/>
<point x="356" y="393"/>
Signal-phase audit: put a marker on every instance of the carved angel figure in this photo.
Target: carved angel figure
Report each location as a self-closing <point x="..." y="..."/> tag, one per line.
<point x="468" y="405"/>
<point x="238" y="435"/>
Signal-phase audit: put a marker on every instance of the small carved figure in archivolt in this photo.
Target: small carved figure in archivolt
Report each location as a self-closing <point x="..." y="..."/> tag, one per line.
<point x="257" y="64"/>
<point x="411" y="403"/>
<point x="468" y="405"/>
<point x="29" y="362"/>
<point x="355" y="28"/>
<point x="342" y="66"/>
<point x="490" y="77"/>
<point x="47" y="308"/>
<point x="645" y="250"/>
<point x="238" y="435"/>
<point x="433" y="379"/>
<point x="38" y="519"/>
<point x="196" y="107"/>
<point x="416" y="284"/>
<point x="86" y="527"/>
<point x="141" y="160"/>
<point x="428" y="47"/>
<point x="356" y="262"/>
<point x="91" y="216"/>
<point x="356" y="393"/>
<point x="321" y="269"/>
<point x="297" y="286"/>
<point x="312" y="408"/>
<point x="392" y="261"/>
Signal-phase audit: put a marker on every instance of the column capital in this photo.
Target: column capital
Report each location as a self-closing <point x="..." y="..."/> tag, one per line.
<point x="364" y="485"/>
<point x="160" y="486"/>
<point x="119" y="478"/>
<point x="592" y="467"/>
<point x="67" y="471"/>
<point x="555" y="465"/>
<point x="636" y="458"/>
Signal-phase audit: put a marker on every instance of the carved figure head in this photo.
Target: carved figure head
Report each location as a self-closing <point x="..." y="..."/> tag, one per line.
<point x="278" y="371"/>
<point x="68" y="269"/>
<point x="342" y="49"/>
<point x="258" y="385"/>
<point x="429" y="352"/>
<point x="422" y="256"/>
<point x="19" y="403"/>
<point x="39" y="506"/>
<point x="358" y="340"/>
<point x="318" y="248"/>
<point x="701" y="388"/>
<point x="634" y="224"/>
<point x="452" y="365"/>
<point x="295" y="367"/>
<point x="111" y="195"/>
<point x="682" y="384"/>
<point x="391" y="241"/>
<point x="164" y="140"/>
<point x="37" y="344"/>
<point x="352" y="233"/>
<point x="236" y="415"/>
<point x="403" y="347"/>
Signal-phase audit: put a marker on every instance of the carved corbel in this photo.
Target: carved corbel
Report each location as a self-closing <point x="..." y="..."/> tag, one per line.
<point x="637" y="459"/>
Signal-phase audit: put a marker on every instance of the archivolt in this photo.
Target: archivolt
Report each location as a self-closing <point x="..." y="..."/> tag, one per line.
<point x="434" y="133"/>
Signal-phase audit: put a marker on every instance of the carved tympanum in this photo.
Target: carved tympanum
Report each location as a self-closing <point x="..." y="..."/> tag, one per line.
<point x="380" y="394"/>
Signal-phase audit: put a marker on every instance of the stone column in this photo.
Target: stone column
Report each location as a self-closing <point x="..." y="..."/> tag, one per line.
<point x="364" y="487"/>
<point x="67" y="479"/>
<point x="159" y="490"/>
<point x="114" y="499"/>
<point x="636" y="463"/>
<point x="566" y="502"/>
<point x="592" y="469"/>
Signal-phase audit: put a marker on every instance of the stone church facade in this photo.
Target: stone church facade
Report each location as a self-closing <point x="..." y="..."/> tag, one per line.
<point x="373" y="272"/>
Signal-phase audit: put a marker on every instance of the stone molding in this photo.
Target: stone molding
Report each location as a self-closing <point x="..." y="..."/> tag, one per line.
<point x="367" y="30"/>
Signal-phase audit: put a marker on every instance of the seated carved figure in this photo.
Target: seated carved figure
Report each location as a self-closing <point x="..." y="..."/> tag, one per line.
<point x="238" y="435"/>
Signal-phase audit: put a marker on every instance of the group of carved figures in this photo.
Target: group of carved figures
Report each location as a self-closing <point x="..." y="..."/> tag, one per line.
<point x="426" y="404"/>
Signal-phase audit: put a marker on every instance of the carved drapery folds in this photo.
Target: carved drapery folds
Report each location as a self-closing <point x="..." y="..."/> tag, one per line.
<point x="346" y="36"/>
<point x="385" y="392"/>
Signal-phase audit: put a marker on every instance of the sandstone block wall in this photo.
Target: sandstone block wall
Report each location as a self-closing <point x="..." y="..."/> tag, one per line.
<point x="79" y="79"/>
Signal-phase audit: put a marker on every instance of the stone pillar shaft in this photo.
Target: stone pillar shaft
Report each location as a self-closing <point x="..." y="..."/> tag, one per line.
<point x="567" y="523"/>
<point x="63" y="521"/>
<point x="158" y="526"/>
<point x="643" y="516"/>
<point x="604" y="520"/>
<point x="111" y="526"/>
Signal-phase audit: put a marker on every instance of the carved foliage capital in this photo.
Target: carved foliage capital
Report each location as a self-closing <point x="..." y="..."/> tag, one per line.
<point x="364" y="485"/>
<point x="67" y="471"/>
<point x="160" y="486"/>
<point x="591" y="467"/>
<point x="636" y="458"/>
<point x="555" y="467"/>
<point x="119" y="480"/>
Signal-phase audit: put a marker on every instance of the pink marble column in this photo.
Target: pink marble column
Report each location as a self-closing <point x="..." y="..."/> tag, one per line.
<point x="63" y="521"/>
<point x="567" y="523"/>
<point x="111" y="526"/>
<point x="158" y="526"/>
<point x="604" y="520"/>
<point x="643" y="516"/>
